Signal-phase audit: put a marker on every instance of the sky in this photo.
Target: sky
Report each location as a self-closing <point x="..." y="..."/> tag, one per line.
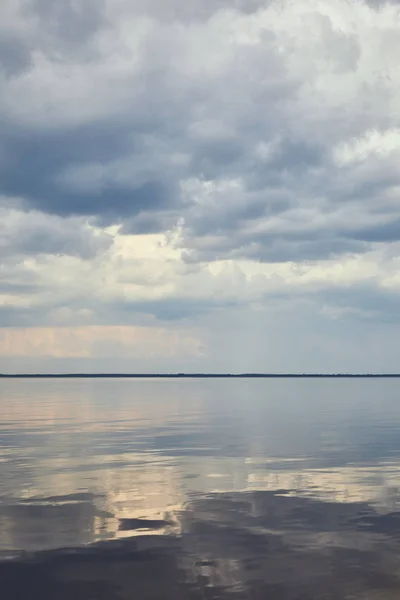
<point x="208" y="185"/>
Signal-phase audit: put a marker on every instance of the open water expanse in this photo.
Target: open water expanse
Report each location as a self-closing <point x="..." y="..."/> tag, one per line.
<point x="200" y="489"/>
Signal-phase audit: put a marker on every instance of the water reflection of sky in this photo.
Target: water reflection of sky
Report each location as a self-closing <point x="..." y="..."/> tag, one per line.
<point x="78" y="457"/>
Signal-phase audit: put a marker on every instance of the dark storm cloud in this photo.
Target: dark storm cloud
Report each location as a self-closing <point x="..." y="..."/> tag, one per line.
<point x="68" y="18"/>
<point x="276" y="249"/>
<point x="387" y="232"/>
<point x="214" y="158"/>
<point x="41" y="163"/>
<point x="63" y="240"/>
<point x="150" y="222"/>
<point x="29" y="234"/>
<point x="195" y="91"/>
<point x="15" y="56"/>
<point x="66" y="26"/>
<point x="56" y="28"/>
<point x="33" y="160"/>
<point x="286" y="249"/>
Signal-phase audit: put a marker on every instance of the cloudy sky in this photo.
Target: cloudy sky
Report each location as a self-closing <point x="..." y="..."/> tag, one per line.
<point x="199" y="185"/>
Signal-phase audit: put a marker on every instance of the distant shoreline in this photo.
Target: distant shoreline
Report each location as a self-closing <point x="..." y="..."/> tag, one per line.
<point x="197" y="375"/>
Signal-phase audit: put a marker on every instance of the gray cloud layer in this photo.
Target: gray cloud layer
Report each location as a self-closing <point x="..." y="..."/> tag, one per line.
<point x="263" y="131"/>
<point x="109" y="108"/>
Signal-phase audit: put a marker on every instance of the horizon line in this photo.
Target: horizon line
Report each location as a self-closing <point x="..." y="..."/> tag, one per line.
<point x="193" y="375"/>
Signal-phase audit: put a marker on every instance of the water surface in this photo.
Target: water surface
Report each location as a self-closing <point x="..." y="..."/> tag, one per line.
<point x="283" y="488"/>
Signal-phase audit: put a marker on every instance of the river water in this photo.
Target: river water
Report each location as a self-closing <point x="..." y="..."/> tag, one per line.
<point x="197" y="488"/>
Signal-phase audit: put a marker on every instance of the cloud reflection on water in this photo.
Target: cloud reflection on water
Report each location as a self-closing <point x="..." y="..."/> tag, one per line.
<point x="238" y="545"/>
<point x="237" y="484"/>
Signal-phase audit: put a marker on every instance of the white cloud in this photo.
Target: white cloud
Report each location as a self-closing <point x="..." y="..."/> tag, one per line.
<point x="373" y="143"/>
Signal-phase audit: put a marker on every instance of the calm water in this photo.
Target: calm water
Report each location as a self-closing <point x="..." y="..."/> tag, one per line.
<point x="253" y="489"/>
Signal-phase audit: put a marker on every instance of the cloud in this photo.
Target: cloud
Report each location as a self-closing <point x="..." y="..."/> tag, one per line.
<point x="91" y="342"/>
<point x="163" y="161"/>
<point x="263" y="105"/>
<point x="31" y="233"/>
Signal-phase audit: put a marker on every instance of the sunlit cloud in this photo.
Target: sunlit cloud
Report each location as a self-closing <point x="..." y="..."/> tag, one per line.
<point x="96" y="341"/>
